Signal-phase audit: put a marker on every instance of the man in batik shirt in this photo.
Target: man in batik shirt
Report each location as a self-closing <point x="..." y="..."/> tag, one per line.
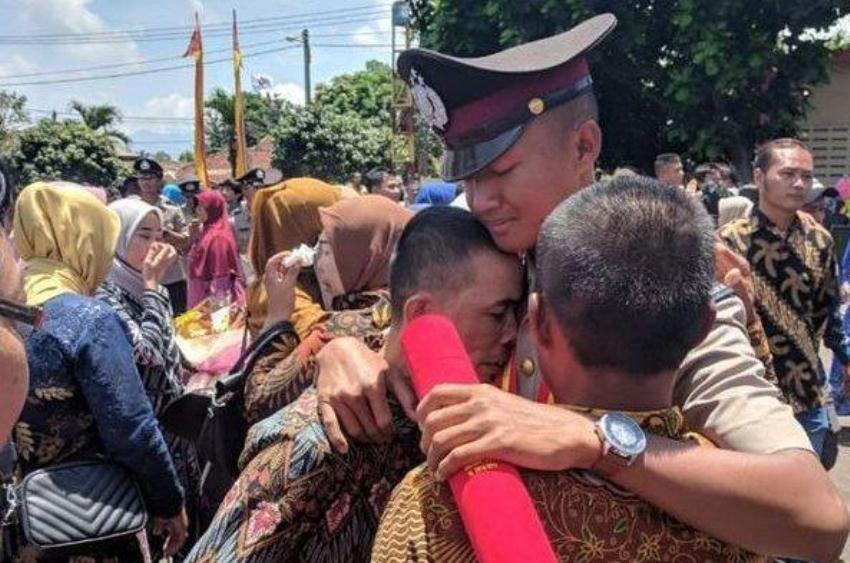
<point x="795" y="276"/>
<point x="612" y="320"/>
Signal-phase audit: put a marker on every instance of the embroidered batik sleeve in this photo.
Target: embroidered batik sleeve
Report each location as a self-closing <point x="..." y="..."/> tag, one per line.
<point x="277" y="377"/>
<point x="758" y="339"/>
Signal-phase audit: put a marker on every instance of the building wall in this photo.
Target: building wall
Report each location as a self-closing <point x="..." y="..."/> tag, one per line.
<point x="827" y="127"/>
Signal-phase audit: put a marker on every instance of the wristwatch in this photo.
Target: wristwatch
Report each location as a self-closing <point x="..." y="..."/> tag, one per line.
<point x="623" y="441"/>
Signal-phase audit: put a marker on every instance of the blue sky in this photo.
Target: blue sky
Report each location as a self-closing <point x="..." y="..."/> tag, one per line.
<point x="356" y="24"/>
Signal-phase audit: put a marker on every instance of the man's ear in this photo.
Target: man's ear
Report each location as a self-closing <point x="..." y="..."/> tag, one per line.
<point x="417" y="305"/>
<point x="540" y="322"/>
<point x="758" y="177"/>
<point x="589" y="141"/>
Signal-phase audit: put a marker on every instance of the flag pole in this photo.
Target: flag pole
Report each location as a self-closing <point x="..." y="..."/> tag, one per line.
<point x="241" y="156"/>
<point x="195" y="50"/>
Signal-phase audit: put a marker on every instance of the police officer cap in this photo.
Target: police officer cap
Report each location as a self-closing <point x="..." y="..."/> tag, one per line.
<point x="480" y="106"/>
<point x="253" y="176"/>
<point x="147" y="167"/>
<point x="190" y="185"/>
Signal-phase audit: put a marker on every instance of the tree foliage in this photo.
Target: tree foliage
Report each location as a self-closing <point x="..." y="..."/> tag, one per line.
<point x="55" y="150"/>
<point x="319" y="142"/>
<point x="706" y="78"/>
<point x="13" y="114"/>
<point x="365" y="93"/>
<point x="261" y="115"/>
<point x="101" y="117"/>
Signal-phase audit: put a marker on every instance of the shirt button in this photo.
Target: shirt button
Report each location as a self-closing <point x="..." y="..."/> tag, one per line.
<point x="527" y="367"/>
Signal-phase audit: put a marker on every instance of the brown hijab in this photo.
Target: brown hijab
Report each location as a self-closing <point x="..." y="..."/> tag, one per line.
<point x="285" y="216"/>
<point x="363" y="233"/>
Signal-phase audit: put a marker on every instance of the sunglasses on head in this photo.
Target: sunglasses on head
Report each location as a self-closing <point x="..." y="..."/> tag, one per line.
<point x="20" y="313"/>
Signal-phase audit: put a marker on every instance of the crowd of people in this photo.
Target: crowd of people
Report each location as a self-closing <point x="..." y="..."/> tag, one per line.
<point x="648" y="349"/>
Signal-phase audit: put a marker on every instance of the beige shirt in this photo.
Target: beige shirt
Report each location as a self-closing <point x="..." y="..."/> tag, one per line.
<point x="720" y="388"/>
<point x="173" y="220"/>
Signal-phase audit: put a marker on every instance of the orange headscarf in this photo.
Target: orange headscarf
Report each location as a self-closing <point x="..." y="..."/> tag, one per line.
<point x="285" y="216"/>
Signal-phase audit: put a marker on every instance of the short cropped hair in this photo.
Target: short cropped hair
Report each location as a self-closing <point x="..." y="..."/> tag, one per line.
<point x="374" y="178"/>
<point x="434" y="252"/>
<point x="627" y="267"/>
<point x="766" y="153"/>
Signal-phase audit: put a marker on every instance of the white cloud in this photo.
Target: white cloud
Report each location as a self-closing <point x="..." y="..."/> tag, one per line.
<point x="289" y="91"/>
<point x="74" y="16"/>
<point x="16" y="64"/>
<point x="169" y="106"/>
<point x="373" y="33"/>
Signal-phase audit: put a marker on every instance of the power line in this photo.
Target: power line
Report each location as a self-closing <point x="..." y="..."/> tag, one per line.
<point x="151" y="118"/>
<point x="174" y="58"/>
<point x="142" y="72"/>
<point x="122" y="33"/>
<point x="254" y="29"/>
<point x="128" y="64"/>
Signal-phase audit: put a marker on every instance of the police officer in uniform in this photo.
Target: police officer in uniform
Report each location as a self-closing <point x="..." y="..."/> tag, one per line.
<point x="237" y="208"/>
<point x="174" y="226"/>
<point x="521" y="130"/>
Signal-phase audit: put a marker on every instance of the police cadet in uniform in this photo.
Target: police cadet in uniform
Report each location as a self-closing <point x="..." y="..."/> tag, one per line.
<point x="521" y="131"/>
<point x="190" y="187"/>
<point x="174" y="227"/>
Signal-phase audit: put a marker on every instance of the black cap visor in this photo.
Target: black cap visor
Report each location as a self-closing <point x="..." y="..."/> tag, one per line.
<point x="464" y="162"/>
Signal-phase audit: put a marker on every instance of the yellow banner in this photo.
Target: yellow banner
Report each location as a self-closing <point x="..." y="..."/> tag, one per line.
<point x="241" y="162"/>
<point x="196" y="50"/>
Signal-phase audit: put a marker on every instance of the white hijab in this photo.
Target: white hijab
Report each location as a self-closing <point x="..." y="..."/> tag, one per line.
<point x="132" y="212"/>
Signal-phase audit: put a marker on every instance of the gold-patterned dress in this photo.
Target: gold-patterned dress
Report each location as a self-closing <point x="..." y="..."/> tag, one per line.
<point x="586" y="517"/>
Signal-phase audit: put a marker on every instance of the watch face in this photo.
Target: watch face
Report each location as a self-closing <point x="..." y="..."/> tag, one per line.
<point x="624" y="434"/>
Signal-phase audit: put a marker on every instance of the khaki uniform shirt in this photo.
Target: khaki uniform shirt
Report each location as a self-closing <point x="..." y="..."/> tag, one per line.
<point x="720" y="388"/>
<point x="173" y="220"/>
<point x="240" y="220"/>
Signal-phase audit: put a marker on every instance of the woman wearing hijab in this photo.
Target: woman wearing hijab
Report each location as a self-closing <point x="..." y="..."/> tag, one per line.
<point x="215" y="269"/>
<point x="134" y="290"/>
<point x="285" y="217"/>
<point x="85" y="399"/>
<point x="352" y="270"/>
<point x="357" y="241"/>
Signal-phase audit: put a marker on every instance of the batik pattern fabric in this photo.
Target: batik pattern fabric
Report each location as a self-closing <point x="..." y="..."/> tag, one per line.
<point x="287" y="366"/>
<point x="298" y="500"/>
<point x="586" y="518"/>
<point x="796" y="294"/>
<point x="158" y="359"/>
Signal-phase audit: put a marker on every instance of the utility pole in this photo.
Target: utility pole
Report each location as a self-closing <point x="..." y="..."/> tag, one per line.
<point x="305" y="41"/>
<point x="401" y="103"/>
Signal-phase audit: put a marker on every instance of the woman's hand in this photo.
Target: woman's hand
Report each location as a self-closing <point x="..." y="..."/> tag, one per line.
<point x="280" y="287"/>
<point x="160" y="257"/>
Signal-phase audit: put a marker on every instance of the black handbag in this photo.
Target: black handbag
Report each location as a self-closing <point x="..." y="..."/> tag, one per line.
<point x="80" y="507"/>
<point x="216" y="422"/>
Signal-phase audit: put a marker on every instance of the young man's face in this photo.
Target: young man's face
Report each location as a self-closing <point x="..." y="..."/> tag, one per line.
<point x="787" y="181"/>
<point x="484" y="311"/>
<point x="150" y="186"/>
<point x="671" y="174"/>
<point x="514" y="194"/>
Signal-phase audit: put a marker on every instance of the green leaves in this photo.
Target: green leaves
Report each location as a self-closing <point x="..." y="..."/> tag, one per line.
<point x="55" y="150"/>
<point x="706" y="60"/>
